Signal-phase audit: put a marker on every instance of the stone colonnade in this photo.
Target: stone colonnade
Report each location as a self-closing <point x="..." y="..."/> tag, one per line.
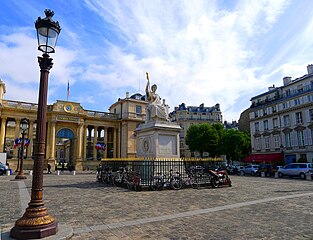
<point x="84" y="141"/>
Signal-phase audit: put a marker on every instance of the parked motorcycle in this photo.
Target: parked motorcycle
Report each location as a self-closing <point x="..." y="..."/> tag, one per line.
<point x="219" y="178"/>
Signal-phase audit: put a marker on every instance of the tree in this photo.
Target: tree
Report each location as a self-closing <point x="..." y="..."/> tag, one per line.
<point x="203" y="138"/>
<point x="236" y="144"/>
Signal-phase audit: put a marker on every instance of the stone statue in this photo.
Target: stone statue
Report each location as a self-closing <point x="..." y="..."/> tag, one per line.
<point x="155" y="110"/>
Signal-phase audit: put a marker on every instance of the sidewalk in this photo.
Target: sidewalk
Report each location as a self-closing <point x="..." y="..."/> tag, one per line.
<point x="254" y="208"/>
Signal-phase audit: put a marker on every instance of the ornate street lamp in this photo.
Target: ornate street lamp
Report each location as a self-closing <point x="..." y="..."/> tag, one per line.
<point x="24" y="126"/>
<point x="36" y="223"/>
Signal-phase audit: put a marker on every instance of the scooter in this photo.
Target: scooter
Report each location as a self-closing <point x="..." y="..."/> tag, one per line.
<point x="219" y="178"/>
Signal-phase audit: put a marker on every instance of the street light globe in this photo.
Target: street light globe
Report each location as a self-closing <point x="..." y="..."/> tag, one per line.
<point x="24" y="124"/>
<point x="47" y="32"/>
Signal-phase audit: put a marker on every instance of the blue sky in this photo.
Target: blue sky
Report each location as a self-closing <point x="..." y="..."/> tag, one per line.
<point x="195" y="51"/>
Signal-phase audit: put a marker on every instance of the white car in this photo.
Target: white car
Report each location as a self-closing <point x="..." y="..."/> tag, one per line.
<point x="296" y="170"/>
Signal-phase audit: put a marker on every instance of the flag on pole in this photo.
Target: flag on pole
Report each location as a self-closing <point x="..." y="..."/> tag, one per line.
<point x="68" y="89"/>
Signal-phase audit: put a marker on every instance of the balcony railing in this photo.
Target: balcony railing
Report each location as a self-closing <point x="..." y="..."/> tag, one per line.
<point x="19" y="105"/>
<point x="103" y="115"/>
<point x="279" y="97"/>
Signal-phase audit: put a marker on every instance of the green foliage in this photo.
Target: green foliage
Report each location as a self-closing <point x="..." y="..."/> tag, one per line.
<point x="204" y="138"/>
<point x="216" y="140"/>
<point x="236" y="144"/>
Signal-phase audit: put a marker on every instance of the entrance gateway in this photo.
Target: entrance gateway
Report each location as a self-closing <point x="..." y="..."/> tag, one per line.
<point x="65" y="148"/>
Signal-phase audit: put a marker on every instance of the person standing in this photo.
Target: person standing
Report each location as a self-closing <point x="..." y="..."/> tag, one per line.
<point x="49" y="168"/>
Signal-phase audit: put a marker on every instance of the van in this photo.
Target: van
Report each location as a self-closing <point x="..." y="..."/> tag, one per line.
<point x="296" y="170"/>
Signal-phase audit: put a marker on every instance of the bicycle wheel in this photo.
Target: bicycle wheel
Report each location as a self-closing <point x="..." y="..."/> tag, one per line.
<point x="195" y="183"/>
<point x="157" y="184"/>
<point x="176" y="183"/>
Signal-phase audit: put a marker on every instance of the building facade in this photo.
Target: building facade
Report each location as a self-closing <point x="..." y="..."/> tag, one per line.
<point x="73" y="133"/>
<point x="281" y="119"/>
<point x="185" y="116"/>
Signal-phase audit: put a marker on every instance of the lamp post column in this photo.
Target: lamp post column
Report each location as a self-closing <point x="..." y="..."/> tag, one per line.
<point x="36" y="223"/>
<point x="20" y="174"/>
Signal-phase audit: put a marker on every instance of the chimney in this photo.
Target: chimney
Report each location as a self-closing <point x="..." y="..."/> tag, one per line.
<point x="286" y="80"/>
<point x="271" y="88"/>
<point x="310" y="68"/>
<point x="127" y="95"/>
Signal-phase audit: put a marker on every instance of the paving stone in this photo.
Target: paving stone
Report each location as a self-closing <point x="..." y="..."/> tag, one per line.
<point x="254" y="208"/>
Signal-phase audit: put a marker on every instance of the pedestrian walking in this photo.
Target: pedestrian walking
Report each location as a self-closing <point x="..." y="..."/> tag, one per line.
<point x="49" y="168"/>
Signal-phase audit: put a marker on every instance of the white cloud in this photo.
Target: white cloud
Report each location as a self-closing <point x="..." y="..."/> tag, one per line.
<point x="19" y="67"/>
<point x="198" y="51"/>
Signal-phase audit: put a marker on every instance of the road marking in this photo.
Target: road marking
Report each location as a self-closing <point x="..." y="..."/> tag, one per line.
<point x="185" y="214"/>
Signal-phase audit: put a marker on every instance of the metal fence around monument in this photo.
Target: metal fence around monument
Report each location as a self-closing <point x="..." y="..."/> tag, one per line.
<point x="148" y="168"/>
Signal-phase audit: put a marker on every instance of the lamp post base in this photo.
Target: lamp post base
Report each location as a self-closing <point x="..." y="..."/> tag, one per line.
<point x="20" y="176"/>
<point x="34" y="232"/>
<point x="35" y="223"/>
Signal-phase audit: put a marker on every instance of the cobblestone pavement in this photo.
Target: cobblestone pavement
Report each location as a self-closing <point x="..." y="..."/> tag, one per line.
<point x="253" y="208"/>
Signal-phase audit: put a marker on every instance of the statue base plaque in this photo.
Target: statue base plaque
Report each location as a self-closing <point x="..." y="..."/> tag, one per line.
<point x="158" y="139"/>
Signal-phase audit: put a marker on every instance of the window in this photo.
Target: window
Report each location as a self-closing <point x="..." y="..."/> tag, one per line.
<point x="258" y="143"/>
<point x="287" y="140"/>
<point x="274" y="109"/>
<point x="288" y="92"/>
<point x="297" y="101"/>
<point x="311" y="115"/>
<point x="300" y="138"/>
<point x="138" y="109"/>
<point x="276" y="141"/>
<point x="267" y="142"/>
<point x="264" y="111"/>
<point x="256" y="126"/>
<point x="299" y="117"/>
<point x="310" y="98"/>
<point x="256" y="114"/>
<point x="275" y="122"/>
<point x="265" y="124"/>
<point x="286" y="121"/>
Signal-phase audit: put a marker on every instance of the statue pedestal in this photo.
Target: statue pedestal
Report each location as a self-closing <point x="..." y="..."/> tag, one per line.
<point x="158" y="139"/>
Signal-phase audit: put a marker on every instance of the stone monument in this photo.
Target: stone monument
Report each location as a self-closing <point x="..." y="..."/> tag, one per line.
<point x="157" y="137"/>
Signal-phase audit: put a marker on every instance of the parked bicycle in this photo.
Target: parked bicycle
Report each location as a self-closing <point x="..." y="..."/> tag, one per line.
<point x="106" y="175"/>
<point x="160" y="181"/>
<point x="133" y="181"/>
<point x="119" y="177"/>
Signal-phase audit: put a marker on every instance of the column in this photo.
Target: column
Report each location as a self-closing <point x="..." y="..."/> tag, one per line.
<point x="80" y="141"/>
<point x="85" y="143"/>
<point x="30" y="137"/>
<point x="119" y="144"/>
<point x="114" y="143"/>
<point x="105" y="139"/>
<point x="16" y="135"/>
<point x="95" y="134"/>
<point x="2" y="133"/>
<point x="52" y="141"/>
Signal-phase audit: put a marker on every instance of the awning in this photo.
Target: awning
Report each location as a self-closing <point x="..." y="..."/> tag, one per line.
<point x="264" y="158"/>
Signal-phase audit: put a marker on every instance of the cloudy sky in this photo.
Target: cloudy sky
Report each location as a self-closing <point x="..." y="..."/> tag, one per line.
<point x="195" y="51"/>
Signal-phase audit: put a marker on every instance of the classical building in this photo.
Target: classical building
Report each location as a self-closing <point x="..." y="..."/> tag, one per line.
<point x="281" y="120"/>
<point x="188" y="115"/>
<point x="73" y="133"/>
<point x="231" y="125"/>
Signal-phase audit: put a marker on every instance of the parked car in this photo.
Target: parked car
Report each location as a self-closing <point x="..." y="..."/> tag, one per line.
<point x="251" y="169"/>
<point x="3" y="169"/>
<point x="237" y="170"/>
<point x="296" y="170"/>
<point x="268" y="169"/>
